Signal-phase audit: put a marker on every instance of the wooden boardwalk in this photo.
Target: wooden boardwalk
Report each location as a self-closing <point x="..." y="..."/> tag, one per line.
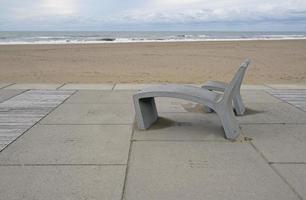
<point x="296" y="98"/>
<point x="21" y="112"/>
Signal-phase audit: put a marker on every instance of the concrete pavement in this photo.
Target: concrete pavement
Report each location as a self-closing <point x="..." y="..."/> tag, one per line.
<point x="87" y="147"/>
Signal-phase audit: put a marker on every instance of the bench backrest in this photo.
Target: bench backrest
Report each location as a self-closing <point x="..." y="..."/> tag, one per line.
<point x="235" y="83"/>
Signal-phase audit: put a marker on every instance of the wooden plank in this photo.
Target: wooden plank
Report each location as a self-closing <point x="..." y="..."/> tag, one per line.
<point x="296" y="98"/>
<point x="24" y="110"/>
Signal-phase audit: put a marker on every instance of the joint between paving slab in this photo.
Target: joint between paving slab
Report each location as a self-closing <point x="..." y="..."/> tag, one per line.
<point x="114" y="86"/>
<point x="266" y="85"/>
<point x="46" y="165"/>
<point x="275" y="170"/>
<point x="16" y="95"/>
<point x="280" y="100"/>
<point x="36" y="122"/>
<point x="284" y="101"/>
<point x="8" y="85"/>
<point x="288" y="163"/>
<point x="60" y="86"/>
<point x="258" y="151"/>
<point x="127" y="165"/>
<point x="282" y="123"/>
<point x="73" y="103"/>
<point x="87" y="124"/>
<point x="285" y="180"/>
<point x="169" y="140"/>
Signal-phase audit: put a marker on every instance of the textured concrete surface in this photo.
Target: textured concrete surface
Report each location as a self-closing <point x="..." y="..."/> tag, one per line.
<point x="21" y="112"/>
<point x="279" y="142"/>
<point x="61" y="182"/>
<point x="91" y="114"/>
<point x="129" y="86"/>
<point x="34" y="86"/>
<point x="258" y="96"/>
<point x="87" y="86"/>
<point x="109" y="97"/>
<point x="173" y="107"/>
<point x="295" y="175"/>
<point x="7" y="94"/>
<point x="3" y="85"/>
<point x="287" y="86"/>
<point x="183" y="127"/>
<point x="257" y="113"/>
<point x="254" y="87"/>
<point x="201" y="170"/>
<point x="89" y="148"/>
<point x="66" y="144"/>
<point x="297" y="98"/>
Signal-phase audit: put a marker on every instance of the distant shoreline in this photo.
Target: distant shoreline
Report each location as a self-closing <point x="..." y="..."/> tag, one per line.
<point x="101" y="37"/>
<point x="282" y="61"/>
<point x="149" y="41"/>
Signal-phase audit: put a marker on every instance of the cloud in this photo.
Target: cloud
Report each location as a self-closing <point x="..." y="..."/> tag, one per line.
<point x="211" y="11"/>
<point x="61" y="7"/>
<point x="35" y="9"/>
<point x="96" y="13"/>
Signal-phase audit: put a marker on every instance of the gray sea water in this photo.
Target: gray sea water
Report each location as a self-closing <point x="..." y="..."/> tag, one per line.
<point x="59" y="37"/>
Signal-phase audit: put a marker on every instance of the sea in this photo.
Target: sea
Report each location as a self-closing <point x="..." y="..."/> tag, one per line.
<point x="76" y="37"/>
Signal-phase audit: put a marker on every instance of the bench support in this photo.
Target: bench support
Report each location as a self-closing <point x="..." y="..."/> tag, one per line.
<point x="146" y="112"/>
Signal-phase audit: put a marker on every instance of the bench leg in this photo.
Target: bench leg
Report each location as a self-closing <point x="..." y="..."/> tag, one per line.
<point x="238" y="104"/>
<point x="207" y="109"/>
<point x="229" y="122"/>
<point x="146" y="112"/>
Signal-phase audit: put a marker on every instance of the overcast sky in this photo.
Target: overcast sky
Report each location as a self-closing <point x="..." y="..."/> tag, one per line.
<point x="153" y="15"/>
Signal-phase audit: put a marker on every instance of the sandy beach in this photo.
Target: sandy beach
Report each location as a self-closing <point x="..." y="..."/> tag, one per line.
<point x="179" y="62"/>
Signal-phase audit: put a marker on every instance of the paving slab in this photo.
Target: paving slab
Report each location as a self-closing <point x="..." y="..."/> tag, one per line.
<point x="296" y="98"/>
<point x="254" y="87"/>
<point x="34" y="86"/>
<point x="165" y="104"/>
<point x="258" y="96"/>
<point x="91" y="114"/>
<point x="201" y="170"/>
<point x="266" y="113"/>
<point x="70" y="144"/>
<point x="279" y="142"/>
<point x="193" y="84"/>
<point x="7" y="94"/>
<point x="109" y="97"/>
<point x="248" y="95"/>
<point x="23" y="111"/>
<point x="3" y="85"/>
<point x="127" y="86"/>
<point x="183" y="127"/>
<point x="87" y="87"/>
<point x="126" y="97"/>
<point x="61" y="182"/>
<point x="287" y="86"/>
<point x="177" y="105"/>
<point x="295" y="174"/>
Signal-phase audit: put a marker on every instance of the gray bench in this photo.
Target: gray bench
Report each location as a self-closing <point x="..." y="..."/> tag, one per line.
<point x="239" y="107"/>
<point x="221" y="103"/>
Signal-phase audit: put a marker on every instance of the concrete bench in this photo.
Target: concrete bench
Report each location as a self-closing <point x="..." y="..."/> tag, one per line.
<point x="239" y="107"/>
<point x="146" y="112"/>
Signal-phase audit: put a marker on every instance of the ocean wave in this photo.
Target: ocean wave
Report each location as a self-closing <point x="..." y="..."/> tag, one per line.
<point x="106" y="39"/>
<point x="78" y="38"/>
